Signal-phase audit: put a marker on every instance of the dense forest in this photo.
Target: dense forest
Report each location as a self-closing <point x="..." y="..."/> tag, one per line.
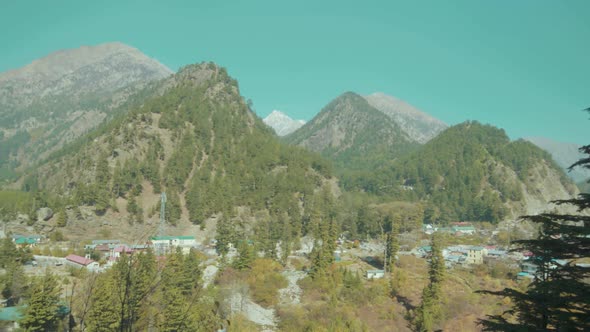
<point x="467" y="172"/>
<point x="197" y="140"/>
<point x="353" y="134"/>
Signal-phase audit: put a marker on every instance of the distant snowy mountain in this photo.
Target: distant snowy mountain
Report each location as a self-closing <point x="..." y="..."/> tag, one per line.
<point x="565" y="154"/>
<point x="421" y="127"/>
<point x="282" y="123"/>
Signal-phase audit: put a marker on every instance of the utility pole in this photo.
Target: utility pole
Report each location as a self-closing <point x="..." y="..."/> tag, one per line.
<point x="162" y="214"/>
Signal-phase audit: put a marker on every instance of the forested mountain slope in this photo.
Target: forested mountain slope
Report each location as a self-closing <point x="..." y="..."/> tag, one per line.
<point x="353" y="134"/>
<point x="197" y="140"/>
<point x="60" y="97"/>
<point x="470" y="172"/>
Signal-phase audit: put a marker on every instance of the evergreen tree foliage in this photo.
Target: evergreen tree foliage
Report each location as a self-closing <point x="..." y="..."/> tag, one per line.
<point x="429" y="312"/>
<point x="460" y="173"/>
<point x="41" y="311"/>
<point x="246" y="255"/>
<point x="326" y="234"/>
<point x="191" y="138"/>
<point x="62" y="218"/>
<point x="558" y="299"/>
<point x="391" y="247"/>
<point x="103" y="314"/>
<point x="13" y="283"/>
<point x="10" y="254"/>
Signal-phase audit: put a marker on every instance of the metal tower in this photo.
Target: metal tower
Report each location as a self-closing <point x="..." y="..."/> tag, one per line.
<point x="162" y="214"/>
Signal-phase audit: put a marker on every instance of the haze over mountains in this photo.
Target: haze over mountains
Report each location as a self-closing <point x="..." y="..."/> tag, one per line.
<point x="565" y="154"/>
<point x="60" y="97"/>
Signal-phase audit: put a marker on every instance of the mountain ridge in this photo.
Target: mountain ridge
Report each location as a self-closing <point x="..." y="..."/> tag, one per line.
<point x="58" y="98"/>
<point x="196" y="139"/>
<point x="471" y="171"/>
<point x="419" y="125"/>
<point x="352" y="133"/>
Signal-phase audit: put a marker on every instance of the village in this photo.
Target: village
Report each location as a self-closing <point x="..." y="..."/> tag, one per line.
<point x="468" y="246"/>
<point x="101" y="254"/>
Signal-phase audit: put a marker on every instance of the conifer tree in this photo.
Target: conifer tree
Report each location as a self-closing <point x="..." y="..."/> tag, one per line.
<point x="41" y="311"/>
<point x="559" y="296"/>
<point x="429" y="311"/>
<point x="62" y="218"/>
<point x="391" y="247"/>
<point x="245" y="256"/>
<point x="103" y="315"/>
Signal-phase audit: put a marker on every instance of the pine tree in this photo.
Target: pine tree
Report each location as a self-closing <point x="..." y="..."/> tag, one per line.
<point x="391" y="247"/>
<point x="559" y="296"/>
<point x="62" y="218"/>
<point x="429" y="311"/>
<point x="103" y="314"/>
<point x="41" y="311"/>
<point x="245" y="256"/>
<point x="13" y="283"/>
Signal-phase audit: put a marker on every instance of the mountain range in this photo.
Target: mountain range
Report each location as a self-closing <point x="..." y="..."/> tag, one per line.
<point x="60" y="97"/>
<point x="107" y="127"/>
<point x="194" y="138"/>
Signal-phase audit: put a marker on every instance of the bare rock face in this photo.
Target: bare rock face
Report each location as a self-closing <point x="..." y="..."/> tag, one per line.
<point x="44" y="214"/>
<point x="61" y="97"/>
<point x="75" y="72"/>
<point x="22" y="218"/>
<point x="420" y="126"/>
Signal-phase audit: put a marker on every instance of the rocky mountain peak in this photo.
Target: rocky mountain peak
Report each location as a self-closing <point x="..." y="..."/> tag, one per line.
<point x="420" y="126"/>
<point x="282" y="123"/>
<point x="67" y="93"/>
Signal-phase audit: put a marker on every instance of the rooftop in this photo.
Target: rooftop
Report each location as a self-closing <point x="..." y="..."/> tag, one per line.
<point x="177" y="237"/>
<point x="25" y="240"/>
<point x="10" y="314"/>
<point x="79" y="259"/>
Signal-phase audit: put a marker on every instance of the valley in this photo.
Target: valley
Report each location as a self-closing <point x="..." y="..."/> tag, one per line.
<point x="138" y="199"/>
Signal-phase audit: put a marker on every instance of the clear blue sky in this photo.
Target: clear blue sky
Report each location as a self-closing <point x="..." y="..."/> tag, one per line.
<point x="521" y="65"/>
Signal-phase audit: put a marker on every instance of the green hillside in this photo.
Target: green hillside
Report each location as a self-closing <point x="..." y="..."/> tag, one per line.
<point x="197" y="140"/>
<point x="353" y="134"/>
<point x="468" y="172"/>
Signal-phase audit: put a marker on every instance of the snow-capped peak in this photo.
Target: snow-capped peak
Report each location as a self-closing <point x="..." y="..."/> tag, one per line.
<point x="282" y="123"/>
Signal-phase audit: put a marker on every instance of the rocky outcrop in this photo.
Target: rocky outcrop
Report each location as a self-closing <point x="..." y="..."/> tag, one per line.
<point x="420" y="126"/>
<point x="44" y="214"/>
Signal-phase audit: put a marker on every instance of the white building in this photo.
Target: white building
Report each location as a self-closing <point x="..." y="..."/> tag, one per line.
<point x="375" y="274"/>
<point x="166" y="243"/>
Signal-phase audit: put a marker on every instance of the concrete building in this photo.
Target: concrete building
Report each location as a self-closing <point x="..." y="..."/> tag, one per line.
<point x="375" y="274"/>
<point x="475" y="255"/>
<point x="164" y="244"/>
<point x="82" y="262"/>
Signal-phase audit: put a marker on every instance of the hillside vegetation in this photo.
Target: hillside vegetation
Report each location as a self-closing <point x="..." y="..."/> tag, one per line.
<point x="353" y="134"/>
<point x="196" y="139"/>
<point x="469" y="172"/>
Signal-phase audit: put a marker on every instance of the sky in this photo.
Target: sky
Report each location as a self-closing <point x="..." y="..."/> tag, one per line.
<point x="520" y="65"/>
